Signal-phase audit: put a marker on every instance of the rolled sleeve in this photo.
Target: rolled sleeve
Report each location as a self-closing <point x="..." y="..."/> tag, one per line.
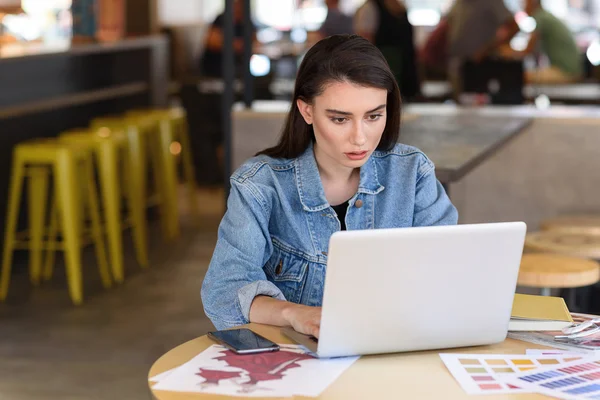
<point x="432" y="205"/>
<point x="235" y="275"/>
<point x="247" y="294"/>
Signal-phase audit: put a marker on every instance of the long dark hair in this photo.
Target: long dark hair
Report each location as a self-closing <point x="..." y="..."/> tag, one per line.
<point x="338" y="58"/>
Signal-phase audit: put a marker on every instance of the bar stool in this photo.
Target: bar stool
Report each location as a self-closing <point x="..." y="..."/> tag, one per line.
<point x="172" y="139"/>
<point x="571" y="243"/>
<point x="111" y="153"/>
<point x="136" y="132"/>
<point x="547" y="271"/>
<point x="72" y="168"/>
<point x="567" y="243"/>
<point x="574" y="223"/>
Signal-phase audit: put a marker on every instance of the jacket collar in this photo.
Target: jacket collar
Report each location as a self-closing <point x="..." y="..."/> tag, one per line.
<point x="310" y="188"/>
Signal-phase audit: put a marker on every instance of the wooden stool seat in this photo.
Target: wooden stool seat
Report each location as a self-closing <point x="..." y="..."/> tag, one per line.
<point x="577" y="244"/>
<point x="542" y="270"/>
<point x="573" y="223"/>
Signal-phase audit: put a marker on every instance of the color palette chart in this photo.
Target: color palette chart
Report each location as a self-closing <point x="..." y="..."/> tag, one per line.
<point x="574" y="380"/>
<point x="487" y="373"/>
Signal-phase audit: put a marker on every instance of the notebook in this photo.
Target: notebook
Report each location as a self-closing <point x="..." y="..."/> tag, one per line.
<point x="539" y="313"/>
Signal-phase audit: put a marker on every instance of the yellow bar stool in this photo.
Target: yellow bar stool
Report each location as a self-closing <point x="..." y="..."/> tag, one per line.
<point x="72" y="169"/>
<point x="110" y="150"/>
<point x="136" y="133"/>
<point x="172" y="140"/>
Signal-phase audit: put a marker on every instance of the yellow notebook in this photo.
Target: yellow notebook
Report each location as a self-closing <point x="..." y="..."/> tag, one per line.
<point x="539" y="313"/>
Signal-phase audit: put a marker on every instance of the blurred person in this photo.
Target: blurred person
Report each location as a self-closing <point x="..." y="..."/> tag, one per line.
<point x="336" y="21"/>
<point x="477" y="28"/>
<point x="556" y="41"/>
<point x="211" y="63"/>
<point x="385" y="24"/>
<point x="434" y="54"/>
<point x="337" y="166"/>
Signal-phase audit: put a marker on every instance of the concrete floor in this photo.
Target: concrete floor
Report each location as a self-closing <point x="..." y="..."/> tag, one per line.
<point x="50" y="349"/>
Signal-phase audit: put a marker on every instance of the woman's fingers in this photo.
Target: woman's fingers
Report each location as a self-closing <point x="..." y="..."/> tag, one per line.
<point x="316" y="331"/>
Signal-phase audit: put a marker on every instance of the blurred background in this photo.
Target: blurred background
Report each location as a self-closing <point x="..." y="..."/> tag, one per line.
<point x="121" y="121"/>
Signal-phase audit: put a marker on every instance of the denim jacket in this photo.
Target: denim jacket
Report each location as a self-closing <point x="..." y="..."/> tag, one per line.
<point x="274" y="237"/>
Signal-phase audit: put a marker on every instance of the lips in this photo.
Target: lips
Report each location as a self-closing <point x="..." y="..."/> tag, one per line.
<point x="356" y="155"/>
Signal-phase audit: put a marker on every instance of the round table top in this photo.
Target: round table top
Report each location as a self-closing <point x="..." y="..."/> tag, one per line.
<point x="416" y="375"/>
<point x="570" y="243"/>
<point x="546" y="270"/>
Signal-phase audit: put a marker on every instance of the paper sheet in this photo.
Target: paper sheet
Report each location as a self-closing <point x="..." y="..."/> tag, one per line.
<point x="574" y="380"/>
<point x="484" y="373"/>
<point x="288" y="372"/>
<point x="160" y="377"/>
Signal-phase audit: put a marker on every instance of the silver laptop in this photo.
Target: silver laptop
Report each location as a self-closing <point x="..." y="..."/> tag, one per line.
<point x="396" y="290"/>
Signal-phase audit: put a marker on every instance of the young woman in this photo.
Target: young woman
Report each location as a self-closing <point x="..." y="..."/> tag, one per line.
<point x="337" y="166"/>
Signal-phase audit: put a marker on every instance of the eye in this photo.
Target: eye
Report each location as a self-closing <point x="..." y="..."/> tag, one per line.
<point x="374" y="117"/>
<point x="339" y="120"/>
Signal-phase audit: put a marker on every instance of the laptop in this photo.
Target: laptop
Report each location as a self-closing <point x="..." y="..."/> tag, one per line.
<point x="409" y="289"/>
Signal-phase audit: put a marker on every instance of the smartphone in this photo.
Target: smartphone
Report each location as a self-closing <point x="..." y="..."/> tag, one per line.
<point x="243" y="341"/>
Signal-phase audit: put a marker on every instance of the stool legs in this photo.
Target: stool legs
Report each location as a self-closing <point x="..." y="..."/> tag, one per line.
<point x="87" y="182"/>
<point x="137" y="197"/>
<point x="97" y="233"/>
<point x="169" y="180"/>
<point x="111" y="198"/>
<point x="545" y="292"/>
<point x="16" y="185"/>
<point x="52" y="240"/>
<point x="69" y="205"/>
<point x="38" y="197"/>
<point x="188" y="169"/>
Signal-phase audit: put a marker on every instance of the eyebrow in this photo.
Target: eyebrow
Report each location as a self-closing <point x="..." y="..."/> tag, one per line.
<point x="333" y="111"/>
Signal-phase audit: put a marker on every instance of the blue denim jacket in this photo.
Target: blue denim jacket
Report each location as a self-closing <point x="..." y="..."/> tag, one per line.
<point x="274" y="237"/>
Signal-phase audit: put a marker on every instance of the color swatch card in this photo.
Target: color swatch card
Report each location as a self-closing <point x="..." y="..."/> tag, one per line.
<point x="485" y="373"/>
<point x="574" y="380"/>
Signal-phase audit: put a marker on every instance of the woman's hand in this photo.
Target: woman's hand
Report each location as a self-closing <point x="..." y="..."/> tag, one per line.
<point x="304" y="319"/>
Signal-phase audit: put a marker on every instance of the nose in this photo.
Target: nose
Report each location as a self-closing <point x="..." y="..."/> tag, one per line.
<point x="358" y="137"/>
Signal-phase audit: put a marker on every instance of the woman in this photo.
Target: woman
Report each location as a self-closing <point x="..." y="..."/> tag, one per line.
<point x="336" y="166"/>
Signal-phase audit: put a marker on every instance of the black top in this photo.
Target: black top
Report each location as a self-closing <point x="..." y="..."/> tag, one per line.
<point x="211" y="63"/>
<point x="340" y="210"/>
<point x="395" y="39"/>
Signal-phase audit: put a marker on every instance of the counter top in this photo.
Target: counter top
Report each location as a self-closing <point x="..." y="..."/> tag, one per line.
<point x="17" y="51"/>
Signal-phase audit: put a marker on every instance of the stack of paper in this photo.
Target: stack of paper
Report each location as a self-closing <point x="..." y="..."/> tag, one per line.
<point x="291" y="371"/>
<point x="585" y="344"/>
<point x="539" y="313"/>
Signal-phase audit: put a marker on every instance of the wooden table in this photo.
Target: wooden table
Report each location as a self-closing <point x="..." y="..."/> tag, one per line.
<point x="418" y="375"/>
